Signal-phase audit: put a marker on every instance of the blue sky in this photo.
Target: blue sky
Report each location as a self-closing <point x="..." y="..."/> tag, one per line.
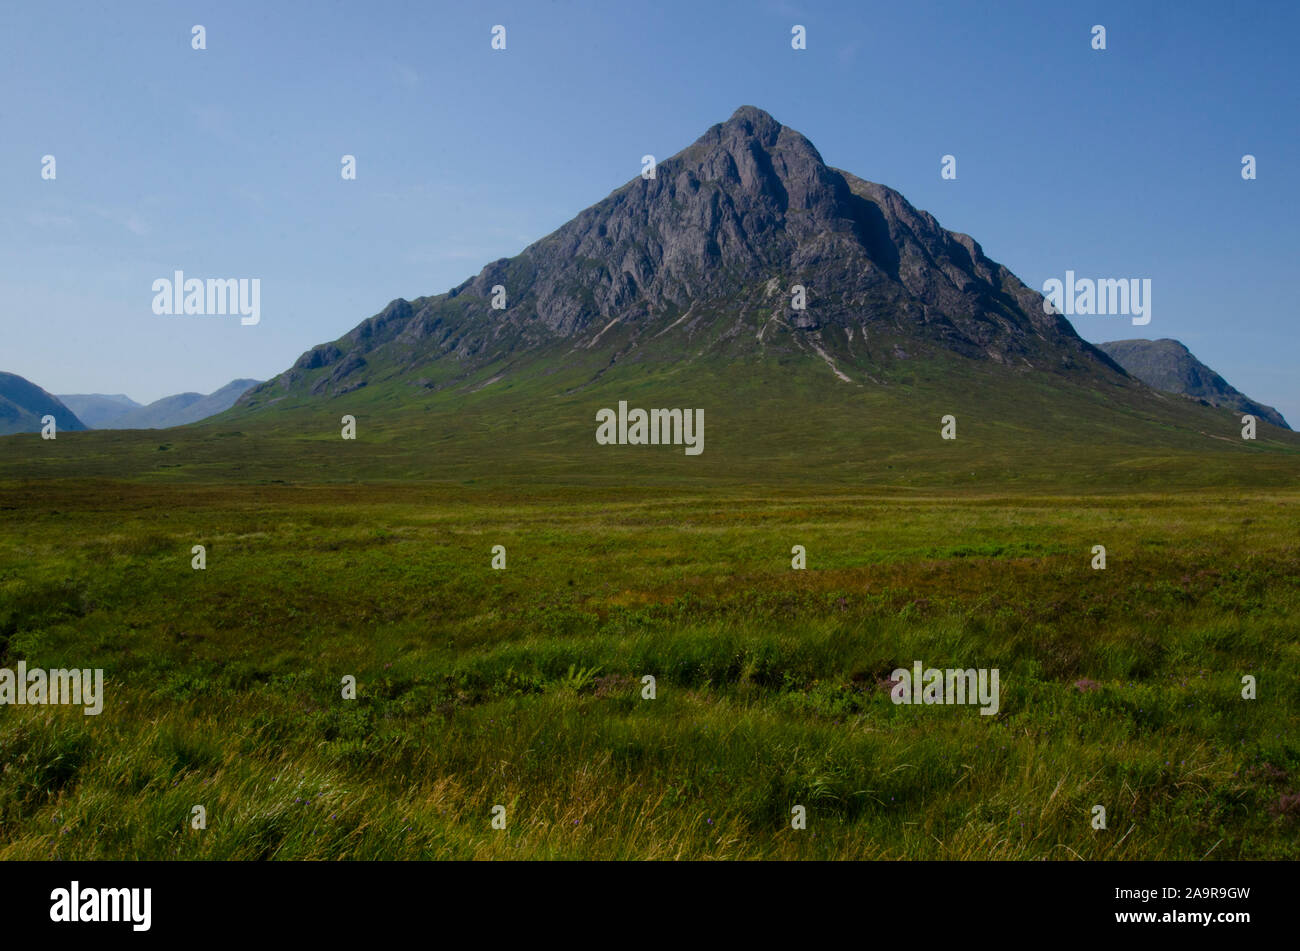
<point x="225" y="162"/>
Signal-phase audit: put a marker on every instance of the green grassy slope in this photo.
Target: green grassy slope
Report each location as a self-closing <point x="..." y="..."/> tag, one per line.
<point x="769" y="419"/>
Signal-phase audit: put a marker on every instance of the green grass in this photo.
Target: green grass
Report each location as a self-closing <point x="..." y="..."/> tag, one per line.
<point x="523" y="687"/>
<point x="774" y="422"/>
<point x="371" y="558"/>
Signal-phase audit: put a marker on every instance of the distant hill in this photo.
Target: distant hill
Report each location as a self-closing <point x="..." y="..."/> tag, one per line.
<point x="23" y="403"/>
<point x="156" y="415"/>
<point x="169" y="411"/>
<point x="1168" y="365"/>
<point x="97" y="409"/>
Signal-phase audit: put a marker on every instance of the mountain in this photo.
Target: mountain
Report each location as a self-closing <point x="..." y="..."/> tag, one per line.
<point x="218" y="401"/>
<point x="709" y="251"/>
<point x="159" y="414"/>
<point x="23" y="403"/>
<point x="1168" y="365"/>
<point x="97" y="409"/>
<point x="164" y="413"/>
<point x="683" y="291"/>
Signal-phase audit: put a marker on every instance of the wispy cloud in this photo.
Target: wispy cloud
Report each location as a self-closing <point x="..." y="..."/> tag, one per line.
<point x="49" y="222"/>
<point x="129" y="219"/>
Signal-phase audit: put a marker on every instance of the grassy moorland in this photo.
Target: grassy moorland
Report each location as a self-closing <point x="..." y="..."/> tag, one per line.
<point x="773" y="425"/>
<point x="522" y="687"/>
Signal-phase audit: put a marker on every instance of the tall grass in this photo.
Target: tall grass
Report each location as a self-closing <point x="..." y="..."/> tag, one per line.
<point x="523" y="687"/>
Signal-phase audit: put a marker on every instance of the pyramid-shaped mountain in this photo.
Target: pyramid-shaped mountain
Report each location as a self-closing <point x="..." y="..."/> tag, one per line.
<point x="681" y="290"/>
<point x="706" y="254"/>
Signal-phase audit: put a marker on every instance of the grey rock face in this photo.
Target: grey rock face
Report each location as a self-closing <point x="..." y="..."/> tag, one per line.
<point x="1168" y="365"/>
<point x="727" y="226"/>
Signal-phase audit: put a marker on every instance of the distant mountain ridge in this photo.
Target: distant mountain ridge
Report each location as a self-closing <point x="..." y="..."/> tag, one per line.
<point x="96" y="409"/>
<point x="23" y="404"/>
<point x="1168" y="365"/>
<point x="175" y="410"/>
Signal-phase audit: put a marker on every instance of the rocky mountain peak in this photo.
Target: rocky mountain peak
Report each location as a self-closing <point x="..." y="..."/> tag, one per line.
<point x="1168" y="365"/>
<point x="710" y="249"/>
